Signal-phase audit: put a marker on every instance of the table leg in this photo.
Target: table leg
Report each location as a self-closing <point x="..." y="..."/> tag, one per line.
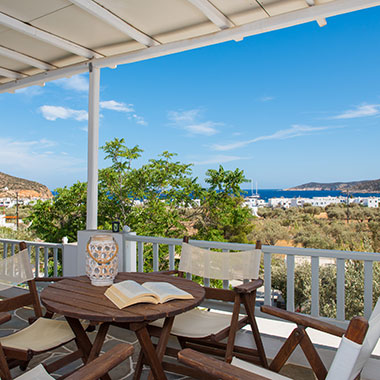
<point x="163" y="341"/>
<point x="149" y="352"/>
<point x="90" y="351"/>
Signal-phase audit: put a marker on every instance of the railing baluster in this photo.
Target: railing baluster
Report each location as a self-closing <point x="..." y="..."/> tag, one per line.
<point x="30" y="252"/>
<point x="226" y="283"/>
<point x="171" y="256"/>
<point x="5" y="253"/>
<point x="315" y="286"/>
<point x="155" y="257"/>
<point x="340" y="297"/>
<point x="368" y="289"/>
<point x="267" y="278"/>
<point x="140" y="254"/>
<point x="290" y="283"/>
<point x="37" y="250"/>
<point x="13" y="249"/>
<point x="55" y="258"/>
<point x="46" y="261"/>
<point x="206" y="282"/>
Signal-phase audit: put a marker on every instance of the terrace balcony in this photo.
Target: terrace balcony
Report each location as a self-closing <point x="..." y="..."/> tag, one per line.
<point x="49" y="258"/>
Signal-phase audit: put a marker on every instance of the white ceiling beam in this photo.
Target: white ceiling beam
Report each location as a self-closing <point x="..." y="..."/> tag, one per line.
<point x="49" y="38"/>
<point x="5" y="52"/>
<point x="256" y="27"/>
<point x="213" y="13"/>
<point x="115" y="21"/>
<point x="321" y="21"/>
<point x="11" y="74"/>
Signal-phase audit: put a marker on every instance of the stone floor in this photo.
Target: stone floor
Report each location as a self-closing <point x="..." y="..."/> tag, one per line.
<point x="116" y="335"/>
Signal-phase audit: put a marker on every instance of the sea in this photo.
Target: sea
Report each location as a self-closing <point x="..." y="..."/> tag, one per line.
<point x="278" y="193"/>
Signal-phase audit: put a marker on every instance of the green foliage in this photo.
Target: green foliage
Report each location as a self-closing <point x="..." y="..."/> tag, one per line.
<point x="223" y="216"/>
<point x="354" y="286"/>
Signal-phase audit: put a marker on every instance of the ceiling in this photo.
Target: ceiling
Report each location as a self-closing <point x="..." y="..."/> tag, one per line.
<point x="42" y="40"/>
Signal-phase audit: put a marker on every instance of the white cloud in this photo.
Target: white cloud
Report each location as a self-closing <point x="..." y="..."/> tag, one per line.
<point x="187" y="120"/>
<point x="220" y="159"/>
<point x="266" y="98"/>
<point x="77" y="83"/>
<point x="30" y="91"/>
<point x="116" y="106"/>
<point x="57" y="112"/>
<point x="293" y="131"/>
<point x="122" y="107"/>
<point x="28" y="159"/>
<point x="206" y="128"/>
<point x="183" y="116"/>
<point x="138" y="119"/>
<point x="360" y="111"/>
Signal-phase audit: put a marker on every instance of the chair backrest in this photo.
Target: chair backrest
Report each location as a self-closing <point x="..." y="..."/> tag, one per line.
<point x="370" y="341"/>
<point x="242" y="265"/>
<point x="15" y="270"/>
<point x="348" y="351"/>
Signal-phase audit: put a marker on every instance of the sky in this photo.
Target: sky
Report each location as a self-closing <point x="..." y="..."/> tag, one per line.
<point x="288" y="107"/>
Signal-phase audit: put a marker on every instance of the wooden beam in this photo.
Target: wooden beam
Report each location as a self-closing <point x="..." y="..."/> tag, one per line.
<point x="6" y="52"/>
<point x="105" y="15"/>
<point x="213" y="13"/>
<point x="11" y="74"/>
<point x="49" y="38"/>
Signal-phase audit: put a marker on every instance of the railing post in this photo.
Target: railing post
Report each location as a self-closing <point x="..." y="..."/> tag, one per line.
<point x="129" y="251"/>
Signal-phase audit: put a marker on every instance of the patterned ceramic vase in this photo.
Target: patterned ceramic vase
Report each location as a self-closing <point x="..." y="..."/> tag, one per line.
<point x="102" y="260"/>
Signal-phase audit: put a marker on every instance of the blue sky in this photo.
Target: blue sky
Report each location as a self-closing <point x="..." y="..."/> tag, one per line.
<point x="289" y="107"/>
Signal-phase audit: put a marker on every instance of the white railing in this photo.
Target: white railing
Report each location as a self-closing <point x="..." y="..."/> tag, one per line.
<point x="40" y="254"/>
<point x="289" y="253"/>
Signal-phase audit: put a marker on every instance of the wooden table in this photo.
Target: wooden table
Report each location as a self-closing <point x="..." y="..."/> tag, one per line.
<point x="76" y="299"/>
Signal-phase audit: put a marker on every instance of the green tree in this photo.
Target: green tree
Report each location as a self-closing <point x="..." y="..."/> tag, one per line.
<point x="223" y="214"/>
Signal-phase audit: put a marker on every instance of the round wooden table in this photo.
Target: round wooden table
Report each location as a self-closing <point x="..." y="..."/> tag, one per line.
<point x="76" y="299"/>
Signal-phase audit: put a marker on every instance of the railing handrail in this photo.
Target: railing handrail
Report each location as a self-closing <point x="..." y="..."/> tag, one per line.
<point x="294" y="251"/>
<point x="33" y="243"/>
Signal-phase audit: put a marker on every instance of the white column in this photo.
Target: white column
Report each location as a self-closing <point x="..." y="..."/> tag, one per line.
<point x="93" y="147"/>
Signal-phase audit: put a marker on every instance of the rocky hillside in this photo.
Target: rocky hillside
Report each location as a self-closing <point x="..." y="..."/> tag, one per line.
<point x="9" y="185"/>
<point x="370" y="186"/>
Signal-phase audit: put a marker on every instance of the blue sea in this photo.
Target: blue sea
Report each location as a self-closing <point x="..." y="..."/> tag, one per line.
<point x="277" y="193"/>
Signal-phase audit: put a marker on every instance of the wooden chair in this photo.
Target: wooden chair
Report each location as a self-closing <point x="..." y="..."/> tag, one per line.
<point x="91" y="371"/>
<point x="344" y="366"/>
<point x="299" y="336"/>
<point x="205" y="330"/>
<point x="44" y="333"/>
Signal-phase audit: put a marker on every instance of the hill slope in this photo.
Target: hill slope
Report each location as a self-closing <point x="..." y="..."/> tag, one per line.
<point x="369" y="186"/>
<point x="25" y="188"/>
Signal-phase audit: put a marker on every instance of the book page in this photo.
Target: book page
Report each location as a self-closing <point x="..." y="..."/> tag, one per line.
<point x="166" y="291"/>
<point x="129" y="292"/>
<point x="130" y="289"/>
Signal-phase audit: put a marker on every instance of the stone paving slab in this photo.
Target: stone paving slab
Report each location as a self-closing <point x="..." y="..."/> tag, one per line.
<point x="115" y="335"/>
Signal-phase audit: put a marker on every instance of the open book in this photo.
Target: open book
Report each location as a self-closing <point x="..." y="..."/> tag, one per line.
<point x="130" y="292"/>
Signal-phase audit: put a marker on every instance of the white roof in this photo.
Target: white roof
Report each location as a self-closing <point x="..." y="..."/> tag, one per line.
<point x="42" y="40"/>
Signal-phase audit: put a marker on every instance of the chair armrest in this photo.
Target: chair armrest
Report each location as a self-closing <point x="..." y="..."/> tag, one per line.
<point x="303" y="320"/>
<point x="249" y="286"/>
<point x="4" y="317"/>
<point x="215" y="368"/>
<point x="104" y="363"/>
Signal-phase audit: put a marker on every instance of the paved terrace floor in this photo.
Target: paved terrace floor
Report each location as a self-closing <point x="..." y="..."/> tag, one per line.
<point x="116" y="335"/>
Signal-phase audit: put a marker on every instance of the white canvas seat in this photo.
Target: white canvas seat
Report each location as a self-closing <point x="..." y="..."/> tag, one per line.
<point x="37" y="373"/>
<point x="345" y="360"/>
<point x="207" y="323"/>
<point x="42" y="335"/>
